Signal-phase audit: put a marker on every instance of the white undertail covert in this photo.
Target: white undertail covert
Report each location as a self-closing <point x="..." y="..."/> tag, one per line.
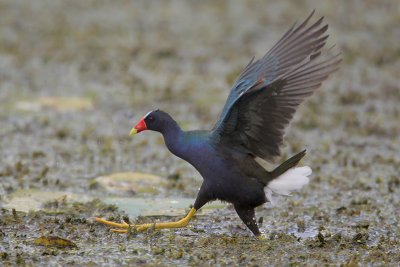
<point x="291" y="180"/>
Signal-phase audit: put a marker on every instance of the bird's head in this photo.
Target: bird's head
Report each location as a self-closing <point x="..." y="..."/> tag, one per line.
<point x="155" y="120"/>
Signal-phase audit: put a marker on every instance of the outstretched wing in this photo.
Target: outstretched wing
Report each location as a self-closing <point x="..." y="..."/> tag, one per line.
<point x="265" y="97"/>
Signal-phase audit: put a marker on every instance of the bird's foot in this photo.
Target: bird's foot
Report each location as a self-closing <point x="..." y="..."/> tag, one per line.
<point x="124" y="227"/>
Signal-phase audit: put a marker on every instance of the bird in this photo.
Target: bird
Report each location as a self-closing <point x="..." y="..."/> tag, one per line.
<point x="251" y="126"/>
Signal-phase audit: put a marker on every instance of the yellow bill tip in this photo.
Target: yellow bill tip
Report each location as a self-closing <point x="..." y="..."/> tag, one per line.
<point x="133" y="131"/>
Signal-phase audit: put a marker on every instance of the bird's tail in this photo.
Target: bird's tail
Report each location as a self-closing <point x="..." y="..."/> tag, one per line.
<point x="287" y="177"/>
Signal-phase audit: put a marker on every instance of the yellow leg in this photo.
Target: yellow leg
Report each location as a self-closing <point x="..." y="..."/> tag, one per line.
<point x="141" y="227"/>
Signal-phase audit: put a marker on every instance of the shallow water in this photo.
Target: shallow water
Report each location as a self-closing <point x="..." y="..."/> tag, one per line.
<point x="76" y="76"/>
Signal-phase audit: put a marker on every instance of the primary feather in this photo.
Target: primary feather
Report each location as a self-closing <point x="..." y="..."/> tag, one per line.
<point x="264" y="98"/>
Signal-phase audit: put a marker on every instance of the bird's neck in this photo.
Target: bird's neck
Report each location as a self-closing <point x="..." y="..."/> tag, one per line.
<point x="173" y="137"/>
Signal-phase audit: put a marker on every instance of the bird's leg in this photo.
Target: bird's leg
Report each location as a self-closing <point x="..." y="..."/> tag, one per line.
<point x="248" y="217"/>
<point x="201" y="200"/>
<point x="141" y="227"/>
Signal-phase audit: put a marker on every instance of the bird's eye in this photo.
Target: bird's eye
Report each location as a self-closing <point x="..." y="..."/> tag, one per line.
<point x="151" y="118"/>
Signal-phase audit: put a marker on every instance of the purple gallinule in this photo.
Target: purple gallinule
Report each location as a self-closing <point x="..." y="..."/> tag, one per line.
<point x="260" y="105"/>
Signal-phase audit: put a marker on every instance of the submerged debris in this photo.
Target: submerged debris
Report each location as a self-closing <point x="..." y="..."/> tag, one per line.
<point x="130" y="183"/>
<point x="54" y="241"/>
<point x="61" y="104"/>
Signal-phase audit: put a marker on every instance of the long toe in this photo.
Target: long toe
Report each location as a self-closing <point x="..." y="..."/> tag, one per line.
<point x="113" y="224"/>
<point x="120" y="231"/>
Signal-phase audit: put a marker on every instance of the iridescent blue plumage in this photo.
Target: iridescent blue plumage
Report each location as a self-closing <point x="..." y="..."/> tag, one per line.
<point x="260" y="105"/>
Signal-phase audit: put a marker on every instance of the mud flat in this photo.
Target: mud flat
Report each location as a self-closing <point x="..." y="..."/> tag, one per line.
<point x="75" y="76"/>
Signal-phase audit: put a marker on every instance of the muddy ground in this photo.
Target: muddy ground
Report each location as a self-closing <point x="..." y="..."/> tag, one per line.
<point x="76" y="75"/>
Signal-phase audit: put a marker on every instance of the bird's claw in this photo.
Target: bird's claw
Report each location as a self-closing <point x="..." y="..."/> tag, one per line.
<point x="113" y="224"/>
<point x="124" y="227"/>
<point x="120" y="231"/>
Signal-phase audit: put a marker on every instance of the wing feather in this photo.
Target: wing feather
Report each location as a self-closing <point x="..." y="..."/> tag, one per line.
<point x="259" y="117"/>
<point x="298" y="43"/>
